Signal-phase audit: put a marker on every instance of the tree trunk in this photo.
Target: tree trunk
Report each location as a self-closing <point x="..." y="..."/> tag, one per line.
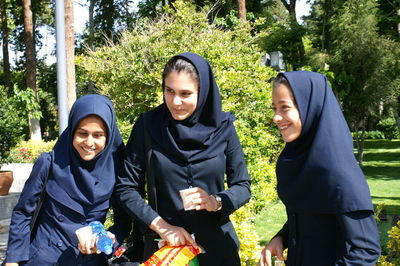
<point x="70" y="52"/>
<point x="6" y="58"/>
<point x="34" y="125"/>
<point x="360" y="137"/>
<point x="291" y="8"/>
<point x="396" y="117"/>
<point x="91" y="24"/>
<point x="242" y="9"/>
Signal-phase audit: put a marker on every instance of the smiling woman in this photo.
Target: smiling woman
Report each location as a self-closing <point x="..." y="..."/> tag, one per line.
<point x="80" y="174"/>
<point x="90" y="137"/>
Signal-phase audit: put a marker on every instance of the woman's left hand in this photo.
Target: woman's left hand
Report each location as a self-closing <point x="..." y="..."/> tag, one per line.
<point x="88" y="245"/>
<point x="202" y="200"/>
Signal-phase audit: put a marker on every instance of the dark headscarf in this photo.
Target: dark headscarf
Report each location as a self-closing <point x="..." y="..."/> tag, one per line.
<point x="318" y="173"/>
<point x="202" y="135"/>
<point x="86" y="185"/>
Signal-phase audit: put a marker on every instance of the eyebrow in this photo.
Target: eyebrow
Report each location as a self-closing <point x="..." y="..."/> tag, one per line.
<point x="99" y="131"/>
<point x="184" y="90"/>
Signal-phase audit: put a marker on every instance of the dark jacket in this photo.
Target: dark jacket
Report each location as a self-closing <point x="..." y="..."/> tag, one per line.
<point x="331" y="239"/>
<point x="212" y="230"/>
<point x="55" y="242"/>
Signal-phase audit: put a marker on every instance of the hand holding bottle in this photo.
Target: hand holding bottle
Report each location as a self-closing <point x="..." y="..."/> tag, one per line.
<point x="94" y="239"/>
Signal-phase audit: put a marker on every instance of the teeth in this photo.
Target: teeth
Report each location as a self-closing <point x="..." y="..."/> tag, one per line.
<point x="284" y="127"/>
<point x="87" y="150"/>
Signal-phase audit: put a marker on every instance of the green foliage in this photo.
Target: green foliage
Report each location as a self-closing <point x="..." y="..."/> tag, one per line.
<point x="29" y="151"/>
<point x="358" y="53"/>
<point x="389" y="128"/>
<point x="129" y="72"/>
<point x="242" y="220"/>
<point x="393" y="258"/>
<point x="10" y="126"/>
<point x="375" y="134"/>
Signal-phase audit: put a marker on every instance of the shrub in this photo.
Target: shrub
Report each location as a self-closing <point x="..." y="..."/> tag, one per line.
<point x="29" y="151"/>
<point x="10" y="126"/>
<point x="375" y="134"/>
<point x="389" y="128"/>
<point x="393" y="245"/>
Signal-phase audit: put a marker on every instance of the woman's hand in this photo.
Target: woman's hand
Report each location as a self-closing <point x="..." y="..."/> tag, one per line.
<point x="173" y="235"/>
<point x="87" y="240"/>
<point x="11" y="264"/>
<point x="274" y="248"/>
<point x="202" y="200"/>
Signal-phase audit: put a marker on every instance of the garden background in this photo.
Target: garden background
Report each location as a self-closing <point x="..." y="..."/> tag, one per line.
<point x="122" y="52"/>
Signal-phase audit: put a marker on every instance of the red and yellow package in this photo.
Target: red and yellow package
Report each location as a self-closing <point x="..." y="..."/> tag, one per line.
<point x="172" y="256"/>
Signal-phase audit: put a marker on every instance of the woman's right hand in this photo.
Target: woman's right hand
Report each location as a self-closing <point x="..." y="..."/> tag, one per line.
<point x="173" y="235"/>
<point x="274" y="248"/>
<point x="11" y="264"/>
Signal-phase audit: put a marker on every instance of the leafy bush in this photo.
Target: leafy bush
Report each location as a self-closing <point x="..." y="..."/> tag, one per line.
<point x="129" y="72"/>
<point x="389" y="128"/>
<point x="29" y="151"/>
<point x="10" y="126"/>
<point x="375" y="134"/>
<point x="393" y="245"/>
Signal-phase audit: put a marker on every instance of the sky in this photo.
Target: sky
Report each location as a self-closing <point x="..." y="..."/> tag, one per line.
<point x="81" y="16"/>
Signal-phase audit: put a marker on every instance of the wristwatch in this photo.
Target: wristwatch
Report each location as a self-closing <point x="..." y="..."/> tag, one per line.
<point x="219" y="201"/>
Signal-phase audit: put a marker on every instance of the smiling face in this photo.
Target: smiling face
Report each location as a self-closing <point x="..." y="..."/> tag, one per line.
<point x="180" y="94"/>
<point x="90" y="137"/>
<point x="287" y="116"/>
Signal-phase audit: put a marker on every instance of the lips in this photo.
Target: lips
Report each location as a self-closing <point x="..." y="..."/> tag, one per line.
<point x="88" y="150"/>
<point x="283" y="127"/>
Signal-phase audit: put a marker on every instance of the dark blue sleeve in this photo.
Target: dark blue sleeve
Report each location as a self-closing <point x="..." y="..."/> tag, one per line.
<point x="361" y="238"/>
<point x="19" y="234"/>
<point x="238" y="180"/>
<point x="284" y="233"/>
<point x="131" y="181"/>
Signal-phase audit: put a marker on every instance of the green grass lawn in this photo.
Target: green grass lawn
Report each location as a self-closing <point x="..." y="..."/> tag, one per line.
<point x="382" y="169"/>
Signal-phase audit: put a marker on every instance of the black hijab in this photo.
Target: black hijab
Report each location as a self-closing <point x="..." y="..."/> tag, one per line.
<point x="318" y="173"/>
<point x="203" y="134"/>
<point x="86" y="185"/>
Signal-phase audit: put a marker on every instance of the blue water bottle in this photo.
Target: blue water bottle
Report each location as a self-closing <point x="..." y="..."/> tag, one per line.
<point x="103" y="241"/>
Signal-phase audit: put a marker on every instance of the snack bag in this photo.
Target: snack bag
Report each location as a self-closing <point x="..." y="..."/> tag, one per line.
<point x="173" y="256"/>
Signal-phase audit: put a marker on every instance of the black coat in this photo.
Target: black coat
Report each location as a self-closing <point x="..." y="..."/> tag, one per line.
<point x="331" y="239"/>
<point x="212" y="230"/>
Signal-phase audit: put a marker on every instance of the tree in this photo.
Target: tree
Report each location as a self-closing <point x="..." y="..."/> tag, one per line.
<point x="34" y="124"/>
<point x="295" y="26"/>
<point x="6" y="58"/>
<point x="70" y="51"/>
<point x="357" y="62"/>
<point x="242" y="9"/>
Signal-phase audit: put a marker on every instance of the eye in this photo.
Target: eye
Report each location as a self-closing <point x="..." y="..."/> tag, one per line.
<point x="99" y="135"/>
<point x="82" y="133"/>
<point x="169" y="90"/>
<point x="186" y="94"/>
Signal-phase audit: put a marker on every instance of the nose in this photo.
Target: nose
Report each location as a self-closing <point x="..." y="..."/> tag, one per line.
<point x="89" y="140"/>
<point x="176" y="100"/>
<point x="277" y="118"/>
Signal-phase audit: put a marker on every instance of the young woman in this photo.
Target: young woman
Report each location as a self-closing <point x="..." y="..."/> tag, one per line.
<point x="187" y="142"/>
<point x="81" y="172"/>
<point x="330" y="217"/>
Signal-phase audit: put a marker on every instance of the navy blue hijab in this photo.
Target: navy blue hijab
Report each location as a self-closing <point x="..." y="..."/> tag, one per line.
<point x="203" y="134"/>
<point x="86" y="185"/>
<point x="318" y="173"/>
